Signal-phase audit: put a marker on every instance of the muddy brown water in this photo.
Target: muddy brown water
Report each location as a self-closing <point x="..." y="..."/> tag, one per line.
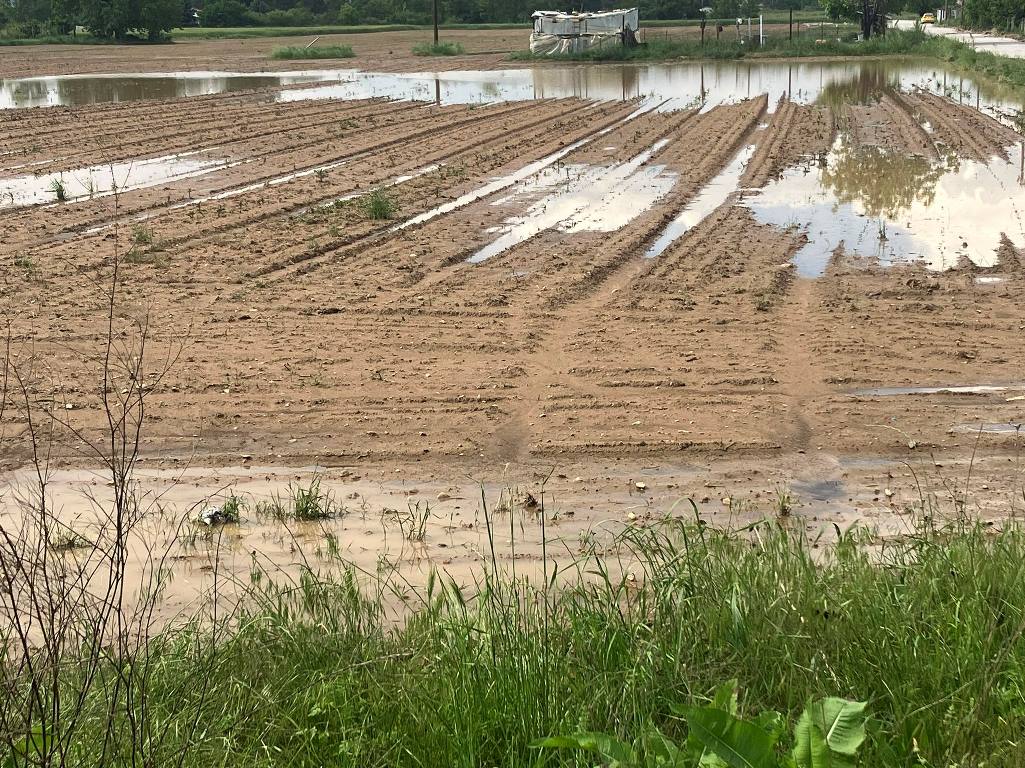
<point x="673" y="84"/>
<point x="468" y="527"/>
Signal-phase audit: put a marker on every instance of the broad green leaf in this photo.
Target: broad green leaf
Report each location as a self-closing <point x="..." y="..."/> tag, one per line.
<point x="607" y="746"/>
<point x="772" y="722"/>
<point x="725" y="697"/>
<point x="659" y="750"/>
<point x="737" y="743"/>
<point x="842" y="723"/>
<point x="810" y="748"/>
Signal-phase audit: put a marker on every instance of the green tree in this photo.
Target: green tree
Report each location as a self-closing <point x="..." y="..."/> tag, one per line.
<point x="159" y="16"/>
<point x="225" y="13"/>
<point x="869" y="14"/>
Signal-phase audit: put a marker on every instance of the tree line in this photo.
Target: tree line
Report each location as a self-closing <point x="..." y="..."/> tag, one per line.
<point x="114" y="19"/>
<point x="152" y="18"/>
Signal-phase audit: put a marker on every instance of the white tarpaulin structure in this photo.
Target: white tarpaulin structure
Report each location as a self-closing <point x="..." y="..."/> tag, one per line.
<point x="557" y="32"/>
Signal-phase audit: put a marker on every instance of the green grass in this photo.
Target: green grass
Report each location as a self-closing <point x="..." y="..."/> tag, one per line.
<point x="55" y="40"/>
<point x="927" y="628"/>
<point x="378" y="205"/>
<point x="313" y="52"/>
<point x="902" y="43"/>
<point x="438" y="49"/>
<point x="302" y="503"/>
<point x="59" y="190"/>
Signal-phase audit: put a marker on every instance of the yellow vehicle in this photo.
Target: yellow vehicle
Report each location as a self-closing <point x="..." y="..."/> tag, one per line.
<point x="928" y="18"/>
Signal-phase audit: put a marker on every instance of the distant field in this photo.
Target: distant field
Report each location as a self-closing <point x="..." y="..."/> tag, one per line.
<point x="774" y="17"/>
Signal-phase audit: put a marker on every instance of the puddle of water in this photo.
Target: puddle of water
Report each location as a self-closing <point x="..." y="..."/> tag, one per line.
<point x="978" y="389"/>
<point x="504" y="182"/>
<point x="819" y="490"/>
<point x="896" y="207"/>
<point x="586" y="199"/>
<point x="678" y="84"/>
<point x="104" y="180"/>
<point x="1002" y="428"/>
<point x="77" y="90"/>
<point x="711" y="196"/>
<point x="989" y="280"/>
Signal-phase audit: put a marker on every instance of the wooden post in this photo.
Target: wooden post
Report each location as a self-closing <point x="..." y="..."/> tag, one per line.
<point x="435" y="22"/>
<point x="791" y="23"/>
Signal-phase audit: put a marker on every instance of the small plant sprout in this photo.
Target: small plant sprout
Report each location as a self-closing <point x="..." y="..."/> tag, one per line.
<point x="784" y="501"/>
<point x="142" y="235"/>
<point x="60" y="191"/>
<point x="415" y="525"/>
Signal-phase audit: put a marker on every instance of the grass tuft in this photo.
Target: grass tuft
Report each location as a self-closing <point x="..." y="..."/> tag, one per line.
<point x="59" y="190"/>
<point x="302" y="502"/>
<point x="297" y="52"/>
<point x="378" y="205"/>
<point x="438" y="49"/>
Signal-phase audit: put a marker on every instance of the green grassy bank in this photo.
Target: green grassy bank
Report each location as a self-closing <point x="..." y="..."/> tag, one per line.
<point x="927" y="629"/>
<point x="895" y="43"/>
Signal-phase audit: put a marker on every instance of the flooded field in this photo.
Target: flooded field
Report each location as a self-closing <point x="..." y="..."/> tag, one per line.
<point x="686" y="276"/>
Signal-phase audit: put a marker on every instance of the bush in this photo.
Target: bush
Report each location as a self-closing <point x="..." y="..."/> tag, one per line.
<point x="225" y="13"/>
<point x="316" y="52"/>
<point x="438" y="49"/>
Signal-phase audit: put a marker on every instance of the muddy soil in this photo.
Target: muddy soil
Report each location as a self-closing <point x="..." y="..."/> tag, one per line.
<point x="500" y="320"/>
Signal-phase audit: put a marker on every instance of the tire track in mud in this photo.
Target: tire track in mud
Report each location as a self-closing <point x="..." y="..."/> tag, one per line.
<point x="548" y="387"/>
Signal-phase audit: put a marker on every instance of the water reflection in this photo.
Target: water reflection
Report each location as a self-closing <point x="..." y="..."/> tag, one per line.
<point x="674" y="84"/>
<point x="883" y="183"/>
<point x="866" y="87"/>
<point x="76" y="90"/>
<point x="103" y="180"/>
<point x="895" y="208"/>
<point x="582" y="198"/>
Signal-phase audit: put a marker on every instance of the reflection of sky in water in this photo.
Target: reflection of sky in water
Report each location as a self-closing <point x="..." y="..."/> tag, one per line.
<point x="100" y="180"/>
<point x="582" y="198"/>
<point x="681" y="83"/>
<point x="896" y="208"/>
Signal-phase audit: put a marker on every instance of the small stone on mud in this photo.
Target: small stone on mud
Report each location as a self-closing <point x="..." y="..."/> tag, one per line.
<point x="641" y="486"/>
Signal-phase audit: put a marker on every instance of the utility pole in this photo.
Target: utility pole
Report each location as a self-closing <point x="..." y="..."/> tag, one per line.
<point x="791" y="23"/>
<point x="435" y="22"/>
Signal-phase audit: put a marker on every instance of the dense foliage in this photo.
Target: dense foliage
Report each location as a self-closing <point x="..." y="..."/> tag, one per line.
<point x="119" y="18"/>
<point x="116" y="19"/>
<point x="998" y="14"/>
